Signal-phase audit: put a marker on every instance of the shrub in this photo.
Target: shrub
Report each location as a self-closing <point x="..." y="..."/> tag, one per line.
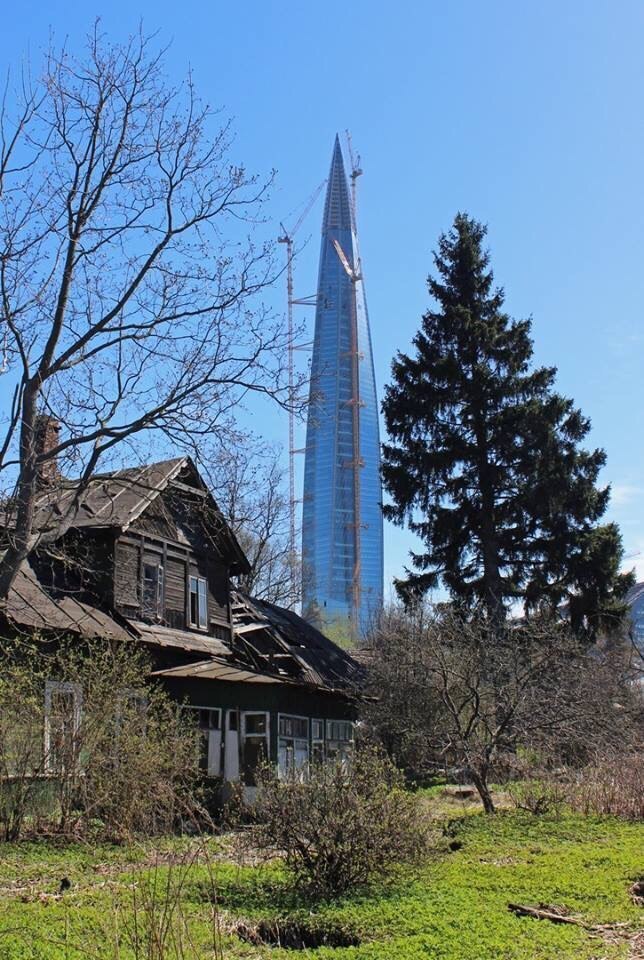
<point x="612" y="786"/>
<point x="543" y="796"/>
<point x="341" y="826"/>
<point x="117" y="760"/>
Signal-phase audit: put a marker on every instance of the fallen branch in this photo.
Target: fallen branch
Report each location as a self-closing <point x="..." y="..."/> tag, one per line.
<point x="540" y="914"/>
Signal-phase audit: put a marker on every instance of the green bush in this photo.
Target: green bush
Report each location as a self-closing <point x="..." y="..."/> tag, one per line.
<point x="339" y="827"/>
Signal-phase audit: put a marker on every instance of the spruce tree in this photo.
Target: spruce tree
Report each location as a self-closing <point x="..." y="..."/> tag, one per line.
<point x="484" y="460"/>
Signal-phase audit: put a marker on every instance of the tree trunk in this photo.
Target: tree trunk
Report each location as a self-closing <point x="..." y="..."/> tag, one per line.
<point x="480" y="782"/>
<point x="21" y="539"/>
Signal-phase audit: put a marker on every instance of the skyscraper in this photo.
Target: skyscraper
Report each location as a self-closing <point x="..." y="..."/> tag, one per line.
<point x="342" y="554"/>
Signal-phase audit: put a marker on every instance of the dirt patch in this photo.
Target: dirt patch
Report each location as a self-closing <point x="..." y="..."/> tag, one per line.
<point x="294" y="934"/>
<point x="637" y="892"/>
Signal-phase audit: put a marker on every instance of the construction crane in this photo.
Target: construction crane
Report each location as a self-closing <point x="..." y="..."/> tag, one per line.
<point x="356" y="463"/>
<point x="287" y="239"/>
<point x="356" y="171"/>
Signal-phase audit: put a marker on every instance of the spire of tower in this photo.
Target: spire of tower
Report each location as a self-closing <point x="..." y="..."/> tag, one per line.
<point x="337" y="206"/>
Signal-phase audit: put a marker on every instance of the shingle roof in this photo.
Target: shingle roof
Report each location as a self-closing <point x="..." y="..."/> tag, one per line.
<point x="30" y="605"/>
<point x="299" y="651"/>
<point x="118" y="498"/>
<point x="217" y="670"/>
<point x="112" y="499"/>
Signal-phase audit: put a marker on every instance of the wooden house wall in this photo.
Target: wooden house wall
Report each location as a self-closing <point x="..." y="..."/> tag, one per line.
<point x="179" y="563"/>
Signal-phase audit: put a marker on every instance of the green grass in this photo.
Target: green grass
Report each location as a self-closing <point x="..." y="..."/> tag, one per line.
<point x="454" y="908"/>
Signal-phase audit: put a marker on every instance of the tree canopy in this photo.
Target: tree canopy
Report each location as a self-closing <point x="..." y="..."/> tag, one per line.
<point x="484" y="460"/>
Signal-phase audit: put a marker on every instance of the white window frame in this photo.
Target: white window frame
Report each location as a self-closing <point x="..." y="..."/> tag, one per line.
<point x="60" y="686"/>
<point x="266" y="736"/>
<point x="201" y="623"/>
<point x="217" y="710"/>
<point x="341" y="749"/>
<point x="293" y="740"/>
<point x="158" y="614"/>
<point x="350" y="739"/>
<point x="206" y="731"/>
<point x="253" y="736"/>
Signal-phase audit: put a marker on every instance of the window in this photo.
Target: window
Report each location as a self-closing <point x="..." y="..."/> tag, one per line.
<point x="62" y="725"/>
<point x="198" y="612"/>
<point x="317" y="741"/>
<point x="292" y="744"/>
<point x="255" y="734"/>
<point x="209" y="718"/>
<point x="339" y="740"/>
<point x="209" y="723"/>
<point x="132" y="706"/>
<point x="339" y="730"/>
<point x="152" y="593"/>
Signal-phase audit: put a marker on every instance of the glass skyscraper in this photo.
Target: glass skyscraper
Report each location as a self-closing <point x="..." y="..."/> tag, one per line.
<point x="342" y="553"/>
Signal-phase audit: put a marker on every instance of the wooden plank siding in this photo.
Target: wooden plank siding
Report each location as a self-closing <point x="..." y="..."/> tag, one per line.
<point x="179" y="563"/>
<point x="126" y="574"/>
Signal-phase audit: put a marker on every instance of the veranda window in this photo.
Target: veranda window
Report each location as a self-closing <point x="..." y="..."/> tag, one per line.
<point x="317" y="741"/>
<point x="209" y="722"/>
<point x="255" y="741"/>
<point x="292" y="744"/>
<point x="62" y="725"/>
<point x="339" y="740"/>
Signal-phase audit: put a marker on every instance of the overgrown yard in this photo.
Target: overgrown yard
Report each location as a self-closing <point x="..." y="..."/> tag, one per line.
<point x="453" y="908"/>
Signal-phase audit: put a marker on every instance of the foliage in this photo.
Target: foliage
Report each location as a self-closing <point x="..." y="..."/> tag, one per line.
<point x="484" y="460"/>
<point x="120" y="762"/>
<point x="467" y="694"/>
<point x="339" y="827"/>
<point x="452" y="908"/>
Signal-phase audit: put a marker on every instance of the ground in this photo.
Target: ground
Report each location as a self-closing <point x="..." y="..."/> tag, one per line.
<point x="453" y="908"/>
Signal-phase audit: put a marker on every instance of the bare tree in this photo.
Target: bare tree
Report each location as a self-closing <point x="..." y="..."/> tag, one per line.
<point x="248" y="484"/>
<point x="468" y="694"/>
<point x="128" y="273"/>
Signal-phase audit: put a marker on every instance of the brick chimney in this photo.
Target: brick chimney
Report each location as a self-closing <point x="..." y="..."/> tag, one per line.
<point x="46" y="433"/>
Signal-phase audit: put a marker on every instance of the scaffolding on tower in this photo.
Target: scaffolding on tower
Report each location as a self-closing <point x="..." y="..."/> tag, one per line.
<point x="287" y="238"/>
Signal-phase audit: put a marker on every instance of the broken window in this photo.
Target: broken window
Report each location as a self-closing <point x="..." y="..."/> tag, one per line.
<point x="152" y="592"/>
<point x="254" y="744"/>
<point x="62" y="725"/>
<point x="198" y="603"/>
<point x="292" y="744"/>
<point x="209" y="723"/>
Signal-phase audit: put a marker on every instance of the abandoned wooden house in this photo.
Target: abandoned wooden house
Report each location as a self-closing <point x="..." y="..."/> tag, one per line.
<point x="146" y="555"/>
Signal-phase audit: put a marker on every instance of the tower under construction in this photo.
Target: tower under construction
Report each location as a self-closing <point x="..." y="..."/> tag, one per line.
<point x="342" y="552"/>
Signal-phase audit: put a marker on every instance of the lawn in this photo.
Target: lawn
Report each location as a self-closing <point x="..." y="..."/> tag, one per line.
<point x="453" y="908"/>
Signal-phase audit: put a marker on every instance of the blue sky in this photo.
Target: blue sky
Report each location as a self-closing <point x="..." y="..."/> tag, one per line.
<point x="528" y="116"/>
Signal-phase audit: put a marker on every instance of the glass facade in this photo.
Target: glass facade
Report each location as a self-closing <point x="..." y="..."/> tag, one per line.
<point x="635" y="599"/>
<point x="332" y="498"/>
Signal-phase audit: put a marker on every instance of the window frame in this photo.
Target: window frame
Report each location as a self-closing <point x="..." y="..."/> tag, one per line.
<point x="290" y="742"/>
<point x="253" y="737"/>
<point x="60" y="686"/>
<point x="206" y="731"/>
<point x="160" y="587"/>
<point x="199" y="595"/>
<point x="318" y="742"/>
